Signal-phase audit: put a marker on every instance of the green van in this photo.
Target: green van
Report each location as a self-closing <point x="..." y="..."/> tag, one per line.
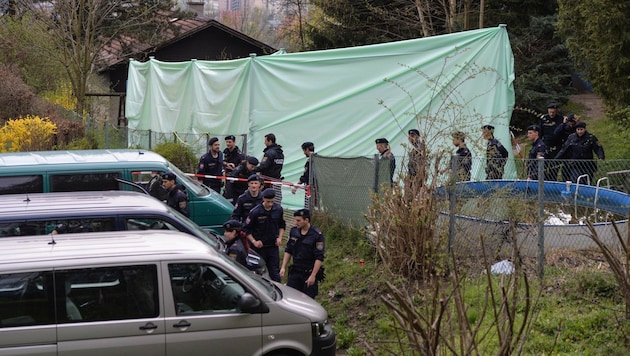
<point x="97" y="170"/>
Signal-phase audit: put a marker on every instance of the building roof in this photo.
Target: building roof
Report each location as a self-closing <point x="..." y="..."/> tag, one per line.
<point x="120" y="51"/>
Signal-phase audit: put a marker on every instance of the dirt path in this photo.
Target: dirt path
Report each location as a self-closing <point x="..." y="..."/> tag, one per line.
<point x="595" y="108"/>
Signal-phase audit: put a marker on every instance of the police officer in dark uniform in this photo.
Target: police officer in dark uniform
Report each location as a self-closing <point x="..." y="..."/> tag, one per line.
<point x="463" y="156"/>
<point x="579" y="149"/>
<point x="537" y="151"/>
<point x="236" y="245"/>
<point x="211" y="163"/>
<point x="249" y="199"/>
<point x="264" y="227"/>
<point x="306" y="247"/>
<point x="496" y="154"/>
<point x="175" y="198"/>
<point x="273" y="158"/>
<point x="415" y="164"/>
<point x="562" y="132"/>
<point x="549" y="122"/>
<point x="382" y="146"/>
<point x="232" y="155"/>
<point x="234" y="189"/>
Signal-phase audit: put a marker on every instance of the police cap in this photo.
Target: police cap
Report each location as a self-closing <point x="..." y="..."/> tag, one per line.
<point x="381" y="140"/>
<point x="552" y="106"/>
<point x="168" y="176"/>
<point x="581" y="124"/>
<point x="533" y="128"/>
<point x="232" y="225"/>
<point x="269" y="193"/>
<point x="305" y="213"/>
<point x="488" y="127"/>
<point x="212" y="141"/>
<point x="253" y="177"/>
<point x="571" y="118"/>
<point x="252" y="160"/>
<point x="309" y="145"/>
<point x="414" y="132"/>
<point x="230" y="137"/>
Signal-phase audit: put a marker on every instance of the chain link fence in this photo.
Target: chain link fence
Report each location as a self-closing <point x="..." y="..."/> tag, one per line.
<point x="541" y="215"/>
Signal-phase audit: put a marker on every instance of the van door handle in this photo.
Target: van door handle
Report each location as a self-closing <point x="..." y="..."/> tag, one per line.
<point x="148" y="326"/>
<point x="182" y="324"/>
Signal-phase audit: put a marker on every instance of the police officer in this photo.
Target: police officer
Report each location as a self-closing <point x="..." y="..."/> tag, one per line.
<point x="306" y="247"/>
<point x="264" y="227"/>
<point x="562" y="132"/>
<point x="234" y="189"/>
<point x="308" y="148"/>
<point x="232" y="155"/>
<point x="382" y="146"/>
<point x="537" y="151"/>
<point x="273" y="158"/>
<point x="416" y="154"/>
<point x="579" y="148"/>
<point x="211" y="163"/>
<point x="249" y="199"/>
<point x="496" y="154"/>
<point x="549" y="122"/>
<point x="463" y="155"/>
<point x="236" y="246"/>
<point x="175" y="198"/>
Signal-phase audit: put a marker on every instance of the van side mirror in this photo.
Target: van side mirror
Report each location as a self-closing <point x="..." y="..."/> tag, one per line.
<point x="252" y="305"/>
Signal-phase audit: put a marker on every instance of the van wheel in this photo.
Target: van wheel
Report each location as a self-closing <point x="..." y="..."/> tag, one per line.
<point x="285" y="353"/>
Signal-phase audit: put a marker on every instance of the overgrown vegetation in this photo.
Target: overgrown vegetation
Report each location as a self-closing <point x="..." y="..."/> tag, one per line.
<point x="179" y="154"/>
<point x="580" y="310"/>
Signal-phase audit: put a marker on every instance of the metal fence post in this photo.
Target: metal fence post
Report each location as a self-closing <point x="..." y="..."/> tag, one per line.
<point x="376" y="162"/>
<point x="541" y="216"/>
<point x="452" y="201"/>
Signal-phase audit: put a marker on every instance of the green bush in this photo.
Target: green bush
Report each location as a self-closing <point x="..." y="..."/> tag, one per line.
<point x="178" y="154"/>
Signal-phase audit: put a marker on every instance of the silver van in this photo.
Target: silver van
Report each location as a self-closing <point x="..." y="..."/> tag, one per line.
<point x="93" y="211"/>
<point x="147" y="293"/>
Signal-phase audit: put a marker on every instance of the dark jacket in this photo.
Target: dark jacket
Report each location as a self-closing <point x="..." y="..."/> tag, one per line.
<point x="265" y="225"/>
<point x="174" y="197"/>
<point x="244" y="204"/>
<point x="548" y="134"/>
<point x="237" y="188"/>
<point x="235" y="156"/>
<point x="538" y="150"/>
<point x="577" y="147"/>
<point x="305" y="249"/>
<point x="272" y="162"/>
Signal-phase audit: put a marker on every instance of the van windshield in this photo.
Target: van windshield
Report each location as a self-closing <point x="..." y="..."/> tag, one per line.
<point x="263" y="284"/>
<point x="191" y="183"/>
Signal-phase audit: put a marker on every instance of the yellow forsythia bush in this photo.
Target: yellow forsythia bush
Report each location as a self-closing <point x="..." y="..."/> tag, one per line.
<point x="30" y="133"/>
<point x="62" y="95"/>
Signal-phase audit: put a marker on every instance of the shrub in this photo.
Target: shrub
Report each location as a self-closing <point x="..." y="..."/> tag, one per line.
<point x="17" y="97"/>
<point x="30" y="133"/>
<point x="179" y="154"/>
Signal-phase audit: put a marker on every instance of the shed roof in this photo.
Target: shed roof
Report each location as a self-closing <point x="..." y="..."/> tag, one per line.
<point x="121" y="50"/>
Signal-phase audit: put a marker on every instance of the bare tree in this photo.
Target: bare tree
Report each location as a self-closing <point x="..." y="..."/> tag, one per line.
<point x="81" y="29"/>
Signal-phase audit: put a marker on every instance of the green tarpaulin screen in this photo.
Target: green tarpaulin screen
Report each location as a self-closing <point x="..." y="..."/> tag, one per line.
<point x="341" y="99"/>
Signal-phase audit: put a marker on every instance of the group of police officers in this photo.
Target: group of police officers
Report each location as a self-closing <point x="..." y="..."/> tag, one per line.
<point x="257" y="222"/>
<point x="565" y="138"/>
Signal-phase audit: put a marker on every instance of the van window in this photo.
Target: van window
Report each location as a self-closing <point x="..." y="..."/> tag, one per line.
<point x="149" y="224"/>
<point x="199" y="288"/>
<point x="56" y="226"/>
<point x="22" y="184"/>
<point x="84" y="182"/>
<point x="109" y="293"/>
<point x="24" y="299"/>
